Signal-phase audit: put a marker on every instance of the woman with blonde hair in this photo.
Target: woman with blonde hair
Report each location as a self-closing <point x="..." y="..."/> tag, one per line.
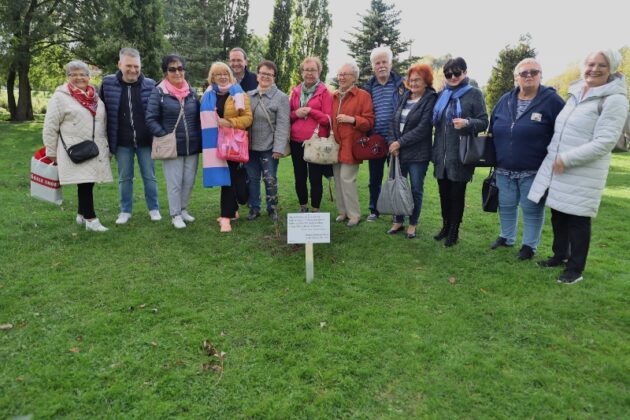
<point x="224" y="104"/>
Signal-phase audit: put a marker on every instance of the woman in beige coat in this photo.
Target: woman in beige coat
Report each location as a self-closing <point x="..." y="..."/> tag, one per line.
<point x="75" y="113"/>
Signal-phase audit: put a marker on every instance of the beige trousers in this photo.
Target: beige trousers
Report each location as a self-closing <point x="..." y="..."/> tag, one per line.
<point x="346" y="189"/>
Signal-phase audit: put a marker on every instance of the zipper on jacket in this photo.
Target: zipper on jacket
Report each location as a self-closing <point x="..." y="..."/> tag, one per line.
<point x="186" y="128"/>
<point x="133" y="127"/>
<point x="509" y="104"/>
<point x="560" y="138"/>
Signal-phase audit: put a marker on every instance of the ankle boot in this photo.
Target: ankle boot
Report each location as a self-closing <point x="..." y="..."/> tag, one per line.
<point x="442" y="233"/>
<point x="452" y="236"/>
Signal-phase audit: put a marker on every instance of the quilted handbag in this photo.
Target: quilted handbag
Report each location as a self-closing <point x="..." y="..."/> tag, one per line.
<point x="477" y="150"/>
<point x="395" y="197"/>
<point x="321" y="150"/>
<point x="367" y="148"/>
<point x="233" y="145"/>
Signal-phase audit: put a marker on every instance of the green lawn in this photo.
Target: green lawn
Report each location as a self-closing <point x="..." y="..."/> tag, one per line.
<point x="112" y="325"/>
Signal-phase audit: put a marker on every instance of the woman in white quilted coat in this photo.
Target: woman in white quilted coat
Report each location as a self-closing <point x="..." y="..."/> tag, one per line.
<point x="575" y="169"/>
<point x="76" y="113"/>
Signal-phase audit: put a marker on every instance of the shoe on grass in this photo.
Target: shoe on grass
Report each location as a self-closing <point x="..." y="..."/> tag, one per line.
<point x="79" y="219"/>
<point x="525" y="253"/>
<point x="501" y="241"/>
<point x="95" y="226"/>
<point x="373" y="217"/>
<point x="123" y="218"/>
<point x="187" y="217"/>
<point x="155" y="215"/>
<point x="552" y="262"/>
<point x="570" y="277"/>
<point x="253" y="214"/>
<point x="178" y="222"/>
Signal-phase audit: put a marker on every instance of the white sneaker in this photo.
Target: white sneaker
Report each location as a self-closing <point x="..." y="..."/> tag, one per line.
<point x="80" y="220"/>
<point x="178" y="222"/>
<point x="95" y="225"/>
<point x="155" y="215"/>
<point x="187" y="217"/>
<point x="123" y="218"/>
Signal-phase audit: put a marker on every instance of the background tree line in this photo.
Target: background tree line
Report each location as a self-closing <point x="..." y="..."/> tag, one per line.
<point x="38" y="36"/>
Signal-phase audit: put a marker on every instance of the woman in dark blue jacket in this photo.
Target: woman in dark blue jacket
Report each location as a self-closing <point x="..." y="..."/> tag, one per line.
<point x="171" y="97"/>
<point x="522" y="125"/>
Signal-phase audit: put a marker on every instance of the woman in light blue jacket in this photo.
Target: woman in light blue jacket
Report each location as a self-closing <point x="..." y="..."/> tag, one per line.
<point x="575" y="169"/>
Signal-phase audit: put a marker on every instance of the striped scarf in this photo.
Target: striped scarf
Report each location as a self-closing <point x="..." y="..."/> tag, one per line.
<point x="215" y="170"/>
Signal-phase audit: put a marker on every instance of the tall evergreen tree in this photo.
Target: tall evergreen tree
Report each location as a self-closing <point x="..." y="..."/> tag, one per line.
<point x="234" y="25"/>
<point x="379" y="26"/>
<point x="502" y="75"/>
<point x="279" y="37"/>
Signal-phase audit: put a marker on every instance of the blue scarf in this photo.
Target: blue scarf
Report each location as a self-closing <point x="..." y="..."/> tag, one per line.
<point x="447" y="94"/>
<point x="215" y="170"/>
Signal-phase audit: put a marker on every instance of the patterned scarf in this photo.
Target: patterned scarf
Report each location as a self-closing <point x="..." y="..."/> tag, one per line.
<point x="179" y="93"/>
<point x="89" y="99"/>
<point x="215" y="170"/>
<point x="307" y="93"/>
<point x="449" y="93"/>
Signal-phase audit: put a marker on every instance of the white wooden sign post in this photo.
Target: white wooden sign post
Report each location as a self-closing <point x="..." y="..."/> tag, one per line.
<point x="308" y="229"/>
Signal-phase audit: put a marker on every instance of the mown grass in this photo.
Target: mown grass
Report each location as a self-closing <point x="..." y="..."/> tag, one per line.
<point x="111" y="325"/>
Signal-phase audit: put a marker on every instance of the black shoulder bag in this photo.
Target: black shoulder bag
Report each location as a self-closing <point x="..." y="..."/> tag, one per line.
<point x="85" y="150"/>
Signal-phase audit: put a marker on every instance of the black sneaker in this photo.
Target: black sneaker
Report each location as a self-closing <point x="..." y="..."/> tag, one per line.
<point x="552" y="262"/>
<point x="373" y="217"/>
<point x="253" y="214"/>
<point x="525" y="253"/>
<point x="569" y="277"/>
<point x="501" y="241"/>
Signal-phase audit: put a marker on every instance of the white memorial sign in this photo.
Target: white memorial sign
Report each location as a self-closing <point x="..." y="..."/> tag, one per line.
<point x="308" y="229"/>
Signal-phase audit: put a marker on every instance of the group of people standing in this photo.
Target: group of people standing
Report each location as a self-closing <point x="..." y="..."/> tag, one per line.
<point x="547" y="151"/>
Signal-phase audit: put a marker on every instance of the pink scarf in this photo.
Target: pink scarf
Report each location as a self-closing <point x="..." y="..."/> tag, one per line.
<point x="179" y="93"/>
<point x="239" y="99"/>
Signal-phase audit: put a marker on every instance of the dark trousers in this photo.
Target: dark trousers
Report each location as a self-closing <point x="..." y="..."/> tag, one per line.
<point x="571" y="239"/>
<point x="229" y="205"/>
<point x="302" y="171"/>
<point x="376" y="169"/>
<point x="86" y="200"/>
<point x="452" y="197"/>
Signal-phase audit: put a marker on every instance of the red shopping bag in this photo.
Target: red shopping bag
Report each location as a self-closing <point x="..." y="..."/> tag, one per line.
<point x="45" y="178"/>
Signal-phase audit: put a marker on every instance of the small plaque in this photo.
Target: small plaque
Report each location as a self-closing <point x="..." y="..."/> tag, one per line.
<point x="308" y="228"/>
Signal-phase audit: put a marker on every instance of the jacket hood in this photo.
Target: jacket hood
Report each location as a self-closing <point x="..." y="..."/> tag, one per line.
<point x="392" y="75"/>
<point x="617" y="86"/>
<point x="269" y="92"/>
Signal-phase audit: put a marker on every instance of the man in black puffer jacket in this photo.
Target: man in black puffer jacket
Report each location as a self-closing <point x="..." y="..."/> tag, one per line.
<point x="125" y="95"/>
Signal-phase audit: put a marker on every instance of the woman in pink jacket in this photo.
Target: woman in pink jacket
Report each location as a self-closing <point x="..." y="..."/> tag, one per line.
<point x="311" y="108"/>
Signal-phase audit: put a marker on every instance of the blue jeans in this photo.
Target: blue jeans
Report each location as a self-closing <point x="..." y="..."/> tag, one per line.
<point x="416" y="171"/>
<point x="512" y="193"/>
<point x="262" y="163"/>
<point x="124" y="157"/>
<point x="376" y="168"/>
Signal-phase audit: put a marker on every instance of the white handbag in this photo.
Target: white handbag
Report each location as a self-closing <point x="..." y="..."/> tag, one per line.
<point x="321" y="150"/>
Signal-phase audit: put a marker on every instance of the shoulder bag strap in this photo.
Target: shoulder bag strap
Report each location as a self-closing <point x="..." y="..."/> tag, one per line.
<point x="264" y="107"/>
<point x="93" y="129"/>
<point x="179" y="117"/>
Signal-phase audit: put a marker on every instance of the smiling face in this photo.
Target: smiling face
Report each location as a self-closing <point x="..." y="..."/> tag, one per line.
<point x="130" y="68"/>
<point x="596" y="70"/>
<point x="175" y="73"/>
<point x="237" y="63"/>
<point x="381" y="66"/>
<point x="417" y="85"/>
<point x="221" y="77"/>
<point x="265" y="77"/>
<point x="346" y="78"/>
<point x="529" y="77"/>
<point x="79" y="79"/>
<point x="310" y="73"/>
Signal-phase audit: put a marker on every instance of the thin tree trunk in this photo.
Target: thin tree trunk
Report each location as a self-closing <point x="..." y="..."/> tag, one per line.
<point x="24" y="110"/>
<point x="10" y="93"/>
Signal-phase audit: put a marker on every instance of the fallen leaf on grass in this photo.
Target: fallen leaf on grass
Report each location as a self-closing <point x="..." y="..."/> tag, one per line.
<point x="1" y="285"/>
<point x="142" y="306"/>
<point x="179" y="362"/>
<point x="322" y="324"/>
<point x="74" y="350"/>
<point x="6" y="326"/>
<point x="482" y="290"/>
<point x="452" y="280"/>
<point x="20" y="378"/>
<point x="154" y="310"/>
<point x="209" y="348"/>
<point x="153" y="343"/>
<point x="22" y="323"/>
<point x="223" y="334"/>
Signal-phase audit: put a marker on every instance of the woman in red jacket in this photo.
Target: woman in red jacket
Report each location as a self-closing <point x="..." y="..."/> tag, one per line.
<point x="311" y="105"/>
<point x="353" y="118"/>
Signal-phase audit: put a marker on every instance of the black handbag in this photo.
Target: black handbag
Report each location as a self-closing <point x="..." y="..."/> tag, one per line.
<point x="477" y="150"/>
<point x="490" y="193"/>
<point x="83" y="151"/>
<point x="241" y="185"/>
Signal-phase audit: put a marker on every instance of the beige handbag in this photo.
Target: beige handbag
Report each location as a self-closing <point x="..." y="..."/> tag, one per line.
<point x="321" y="150"/>
<point x="165" y="147"/>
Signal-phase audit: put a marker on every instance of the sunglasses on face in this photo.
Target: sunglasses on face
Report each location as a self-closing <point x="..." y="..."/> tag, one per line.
<point x="449" y="74"/>
<point x="528" y="73"/>
<point x="180" y="69"/>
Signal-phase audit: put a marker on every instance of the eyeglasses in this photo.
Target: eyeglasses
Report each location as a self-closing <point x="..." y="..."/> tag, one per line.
<point x="414" y="81"/>
<point x="180" y="69"/>
<point x="262" y="73"/>
<point x="227" y="76"/>
<point x="344" y="75"/>
<point x="309" y="70"/>
<point x="528" y="73"/>
<point x="77" y="75"/>
<point x="449" y="74"/>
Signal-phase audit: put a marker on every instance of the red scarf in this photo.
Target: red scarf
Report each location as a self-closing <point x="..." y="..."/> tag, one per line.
<point x="89" y="100"/>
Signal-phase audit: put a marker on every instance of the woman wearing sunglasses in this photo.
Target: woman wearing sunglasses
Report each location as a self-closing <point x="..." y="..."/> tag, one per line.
<point x="522" y="126"/>
<point x="171" y="97"/>
<point x="460" y="109"/>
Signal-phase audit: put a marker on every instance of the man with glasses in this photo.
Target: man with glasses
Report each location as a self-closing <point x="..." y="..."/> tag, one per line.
<point x="125" y="95"/>
<point x="386" y="88"/>
<point x="238" y="65"/>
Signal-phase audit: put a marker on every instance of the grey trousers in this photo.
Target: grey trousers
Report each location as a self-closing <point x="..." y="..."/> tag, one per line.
<point x="180" y="176"/>
<point x="346" y="189"/>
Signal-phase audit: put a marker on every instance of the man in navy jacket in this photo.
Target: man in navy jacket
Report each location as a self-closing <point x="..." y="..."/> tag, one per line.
<point x="125" y="95"/>
<point x="238" y="64"/>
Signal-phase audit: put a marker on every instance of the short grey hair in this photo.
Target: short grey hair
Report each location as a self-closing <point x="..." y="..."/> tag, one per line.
<point x="382" y="50"/>
<point x="129" y="52"/>
<point x="528" y="60"/>
<point x="353" y="65"/>
<point x="76" y="65"/>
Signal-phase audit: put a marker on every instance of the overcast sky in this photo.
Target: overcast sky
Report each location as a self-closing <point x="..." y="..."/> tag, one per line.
<point x="563" y="31"/>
